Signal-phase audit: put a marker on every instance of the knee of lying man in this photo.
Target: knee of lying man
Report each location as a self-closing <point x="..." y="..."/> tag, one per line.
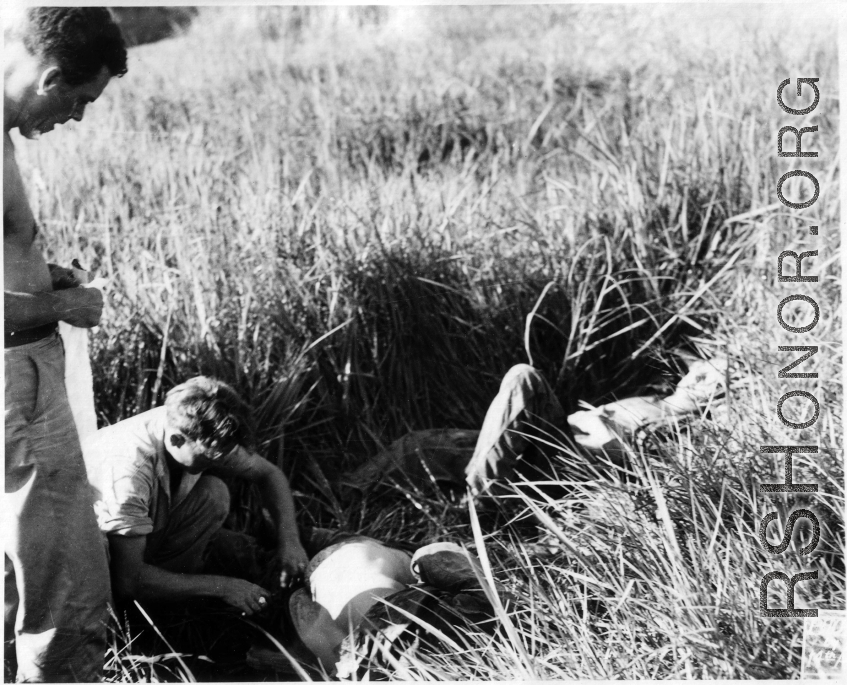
<point x="522" y="374"/>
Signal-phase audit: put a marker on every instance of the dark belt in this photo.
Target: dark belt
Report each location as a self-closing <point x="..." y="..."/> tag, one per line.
<point x="30" y="335"/>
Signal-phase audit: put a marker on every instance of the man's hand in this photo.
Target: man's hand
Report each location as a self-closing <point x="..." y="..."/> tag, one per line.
<point x="63" y="277"/>
<point x="82" y="306"/>
<point x="294" y="562"/>
<point x="243" y="595"/>
<point x="290" y="558"/>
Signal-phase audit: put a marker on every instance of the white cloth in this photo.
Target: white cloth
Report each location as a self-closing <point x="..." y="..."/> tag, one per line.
<point x="78" y="379"/>
<point x="79" y="382"/>
<point x="351" y="577"/>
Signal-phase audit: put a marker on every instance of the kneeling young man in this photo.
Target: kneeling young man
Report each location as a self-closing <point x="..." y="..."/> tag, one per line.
<point x="161" y="505"/>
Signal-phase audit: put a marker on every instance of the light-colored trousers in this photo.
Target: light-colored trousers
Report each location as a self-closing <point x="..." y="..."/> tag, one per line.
<point x="57" y="577"/>
<point x="521" y="428"/>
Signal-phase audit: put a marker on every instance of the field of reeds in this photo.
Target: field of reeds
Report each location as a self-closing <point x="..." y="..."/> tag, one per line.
<point x="349" y="214"/>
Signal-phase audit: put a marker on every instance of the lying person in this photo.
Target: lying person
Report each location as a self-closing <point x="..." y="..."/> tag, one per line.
<point x="524" y="426"/>
<point x="161" y="504"/>
<point x="359" y="590"/>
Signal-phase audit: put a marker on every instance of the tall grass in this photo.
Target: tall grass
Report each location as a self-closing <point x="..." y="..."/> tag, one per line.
<point x="348" y="213"/>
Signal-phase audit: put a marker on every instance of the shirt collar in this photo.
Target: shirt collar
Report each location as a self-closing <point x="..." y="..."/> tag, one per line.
<point x="156" y="429"/>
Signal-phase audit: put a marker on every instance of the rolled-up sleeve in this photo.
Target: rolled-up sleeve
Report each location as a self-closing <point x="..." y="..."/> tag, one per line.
<point x="125" y="486"/>
<point x="126" y="506"/>
<point x="125" y="465"/>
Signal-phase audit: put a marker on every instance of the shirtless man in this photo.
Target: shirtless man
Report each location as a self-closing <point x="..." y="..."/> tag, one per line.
<point x="56" y="61"/>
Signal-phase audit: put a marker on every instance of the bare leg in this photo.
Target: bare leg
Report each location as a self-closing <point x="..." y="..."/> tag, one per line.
<point x="525" y="418"/>
<point x="601" y="429"/>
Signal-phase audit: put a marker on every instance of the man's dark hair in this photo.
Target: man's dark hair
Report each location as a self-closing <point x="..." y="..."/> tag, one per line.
<point x="208" y="411"/>
<point x="82" y="40"/>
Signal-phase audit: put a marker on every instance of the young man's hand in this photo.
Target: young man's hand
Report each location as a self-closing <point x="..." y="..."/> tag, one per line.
<point x="243" y="595"/>
<point x="294" y="562"/>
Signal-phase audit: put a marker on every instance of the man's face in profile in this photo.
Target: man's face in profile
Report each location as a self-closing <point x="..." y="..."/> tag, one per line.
<point x="57" y="102"/>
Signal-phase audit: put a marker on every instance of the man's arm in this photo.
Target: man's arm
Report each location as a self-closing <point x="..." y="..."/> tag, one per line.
<point x="133" y="579"/>
<point x="79" y="307"/>
<point x="30" y="298"/>
<point x="276" y="496"/>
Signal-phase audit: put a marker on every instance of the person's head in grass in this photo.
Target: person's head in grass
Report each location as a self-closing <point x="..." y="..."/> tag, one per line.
<point x="205" y="419"/>
<point x="57" y="60"/>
